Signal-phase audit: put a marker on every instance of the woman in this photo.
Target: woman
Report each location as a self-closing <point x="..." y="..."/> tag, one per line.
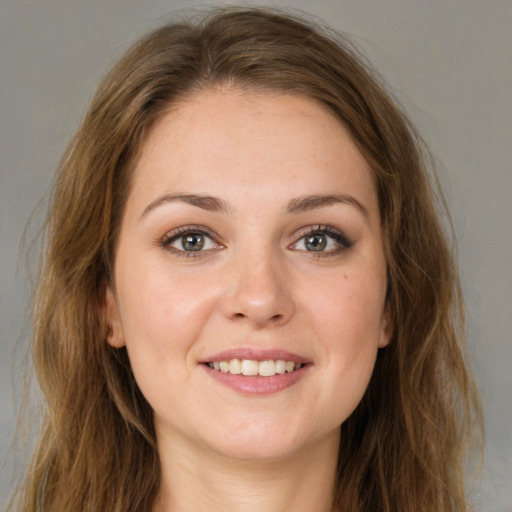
<point x="247" y="300"/>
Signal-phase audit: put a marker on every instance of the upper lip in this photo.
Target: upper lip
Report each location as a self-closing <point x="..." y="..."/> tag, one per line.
<point x="255" y="355"/>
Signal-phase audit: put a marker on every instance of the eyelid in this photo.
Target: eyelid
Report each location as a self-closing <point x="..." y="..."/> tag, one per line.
<point x="339" y="237"/>
<point x="336" y="234"/>
<point x="173" y="235"/>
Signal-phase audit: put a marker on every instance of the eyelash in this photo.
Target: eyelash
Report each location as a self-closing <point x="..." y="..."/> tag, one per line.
<point x="178" y="233"/>
<point x="343" y="243"/>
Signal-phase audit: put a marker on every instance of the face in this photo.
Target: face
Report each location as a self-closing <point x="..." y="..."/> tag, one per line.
<point x="250" y="244"/>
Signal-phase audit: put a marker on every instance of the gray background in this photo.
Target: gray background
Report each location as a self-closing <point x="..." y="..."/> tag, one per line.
<point x="449" y="63"/>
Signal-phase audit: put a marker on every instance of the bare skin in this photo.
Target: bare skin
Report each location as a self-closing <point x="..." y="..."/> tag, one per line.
<point x="252" y="230"/>
<point x="303" y="482"/>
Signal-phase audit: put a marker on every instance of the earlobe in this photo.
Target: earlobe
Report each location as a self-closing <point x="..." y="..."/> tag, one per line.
<point x="386" y="327"/>
<point x="114" y="331"/>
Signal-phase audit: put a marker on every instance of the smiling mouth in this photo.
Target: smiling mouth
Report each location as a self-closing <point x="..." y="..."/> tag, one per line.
<point x="251" y="368"/>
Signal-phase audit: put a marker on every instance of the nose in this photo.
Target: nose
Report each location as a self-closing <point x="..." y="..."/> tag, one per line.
<point x="259" y="293"/>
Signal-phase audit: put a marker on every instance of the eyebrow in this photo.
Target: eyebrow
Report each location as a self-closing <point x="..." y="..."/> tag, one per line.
<point x="208" y="203"/>
<point x="295" y="206"/>
<point x="312" y="202"/>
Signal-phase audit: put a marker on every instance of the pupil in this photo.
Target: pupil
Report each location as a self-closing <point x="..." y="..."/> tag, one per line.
<point x="194" y="242"/>
<point x="316" y="243"/>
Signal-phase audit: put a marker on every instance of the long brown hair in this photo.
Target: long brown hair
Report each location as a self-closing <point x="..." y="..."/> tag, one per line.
<point x="403" y="448"/>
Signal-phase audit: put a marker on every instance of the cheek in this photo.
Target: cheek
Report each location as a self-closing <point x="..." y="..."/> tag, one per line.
<point x="163" y="312"/>
<point x="348" y="317"/>
<point x="349" y="306"/>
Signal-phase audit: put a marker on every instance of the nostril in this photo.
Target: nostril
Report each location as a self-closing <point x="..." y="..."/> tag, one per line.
<point x="258" y="306"/>
<point x="274" y="319"/>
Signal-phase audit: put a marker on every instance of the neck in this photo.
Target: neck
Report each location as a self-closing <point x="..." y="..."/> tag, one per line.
<point x="193" y="479"/>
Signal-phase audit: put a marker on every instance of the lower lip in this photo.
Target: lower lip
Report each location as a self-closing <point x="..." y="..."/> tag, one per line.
<point x="258" y="385"/>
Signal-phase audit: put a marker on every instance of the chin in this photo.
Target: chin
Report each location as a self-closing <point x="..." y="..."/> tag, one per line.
<point x="261" y="449"/>
<point x="264" y="441"/>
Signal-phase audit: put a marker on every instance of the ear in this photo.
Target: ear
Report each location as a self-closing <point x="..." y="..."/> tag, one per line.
<point x="114" y="335"/>
<point x="387" y="326"/>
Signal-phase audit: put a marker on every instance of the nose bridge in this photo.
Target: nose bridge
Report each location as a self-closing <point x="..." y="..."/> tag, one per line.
<point x="259" y="291"/>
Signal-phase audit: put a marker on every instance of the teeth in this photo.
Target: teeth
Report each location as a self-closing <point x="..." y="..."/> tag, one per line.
<point x="280" y="366"/>
<point x="267" y="368"/>
<point x="250" y="367"/>
<point x="235" y="366"/>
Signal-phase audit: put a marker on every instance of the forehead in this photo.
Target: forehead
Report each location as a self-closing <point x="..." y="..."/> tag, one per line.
<point x="231" y="142"/>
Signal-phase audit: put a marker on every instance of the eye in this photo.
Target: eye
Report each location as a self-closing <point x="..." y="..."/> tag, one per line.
<point x="189" y="240"/>
<point x="322" y="239"/>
